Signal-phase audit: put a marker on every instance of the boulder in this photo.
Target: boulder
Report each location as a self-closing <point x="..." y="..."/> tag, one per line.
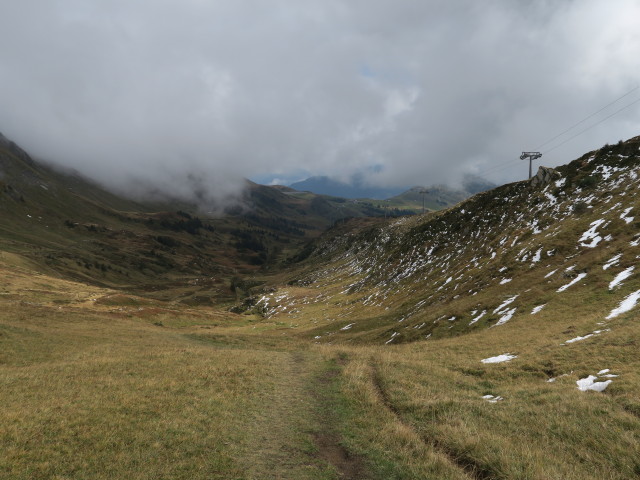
<point x="544" y="176"/>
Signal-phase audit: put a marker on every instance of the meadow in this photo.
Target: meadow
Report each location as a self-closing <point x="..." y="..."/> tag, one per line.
<point x="100" y="384"/>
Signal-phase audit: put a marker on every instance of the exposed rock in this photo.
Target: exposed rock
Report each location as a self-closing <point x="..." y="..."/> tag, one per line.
<point x="544" y="176"/>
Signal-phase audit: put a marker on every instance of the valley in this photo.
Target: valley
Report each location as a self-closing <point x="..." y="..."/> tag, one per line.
<point x="495" y="339"/>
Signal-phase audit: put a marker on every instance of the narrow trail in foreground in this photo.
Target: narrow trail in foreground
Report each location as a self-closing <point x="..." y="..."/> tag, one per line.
<point x="294" y="434"/>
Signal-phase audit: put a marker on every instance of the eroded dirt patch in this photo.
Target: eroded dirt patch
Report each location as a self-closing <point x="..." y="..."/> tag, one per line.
<point x="350" y="467"/>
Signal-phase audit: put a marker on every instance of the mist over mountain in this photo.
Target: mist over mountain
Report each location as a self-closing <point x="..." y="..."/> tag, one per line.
<point x="303" y="326"/>
<point x="210" y="93"/>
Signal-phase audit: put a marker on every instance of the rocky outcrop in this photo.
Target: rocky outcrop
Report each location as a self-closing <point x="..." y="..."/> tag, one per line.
<point x="544" y="176"/>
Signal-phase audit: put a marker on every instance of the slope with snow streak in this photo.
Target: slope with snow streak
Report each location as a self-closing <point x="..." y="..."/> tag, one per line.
<point x="448" y="273"/>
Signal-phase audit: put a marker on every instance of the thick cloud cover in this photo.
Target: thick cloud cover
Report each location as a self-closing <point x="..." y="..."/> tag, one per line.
<point x="194" y="92"/>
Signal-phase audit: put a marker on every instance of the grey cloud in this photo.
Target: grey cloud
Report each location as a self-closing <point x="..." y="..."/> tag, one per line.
<point x="223" y="90"/>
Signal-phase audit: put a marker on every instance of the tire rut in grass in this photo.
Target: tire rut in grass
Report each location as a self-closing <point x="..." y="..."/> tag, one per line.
<point x="328" y="441"/>
<point x="463" y="461"/>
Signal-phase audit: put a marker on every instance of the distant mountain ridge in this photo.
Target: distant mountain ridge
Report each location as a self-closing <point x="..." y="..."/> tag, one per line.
<point x="324" y="185"/>
<point x="408" y="199"/>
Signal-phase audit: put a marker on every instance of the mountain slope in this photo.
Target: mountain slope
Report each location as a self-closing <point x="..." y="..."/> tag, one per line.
<point x="500" y="335"/>
<point x="72" y="227"/>
<point x="489" y="260"/>
<point x="355" y="189"/>
<point x="432" y="198"/>
<point x="493" y="340"/>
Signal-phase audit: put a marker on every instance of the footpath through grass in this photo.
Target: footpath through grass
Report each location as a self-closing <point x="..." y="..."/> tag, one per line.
<point x="95" y="390"/>
<point x="90" y="391"/>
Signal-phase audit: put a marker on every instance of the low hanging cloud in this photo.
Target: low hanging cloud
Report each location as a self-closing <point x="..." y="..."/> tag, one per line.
<point x="194" y="96"/>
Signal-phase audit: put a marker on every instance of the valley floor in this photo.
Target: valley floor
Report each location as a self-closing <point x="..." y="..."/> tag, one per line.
<point x="96" y="384"/>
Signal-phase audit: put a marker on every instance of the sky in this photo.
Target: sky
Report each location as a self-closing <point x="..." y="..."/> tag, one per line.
<point x="195" y="95"/>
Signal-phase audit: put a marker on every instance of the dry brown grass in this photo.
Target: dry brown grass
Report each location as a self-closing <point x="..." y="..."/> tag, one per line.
<point x="127" y="388"/>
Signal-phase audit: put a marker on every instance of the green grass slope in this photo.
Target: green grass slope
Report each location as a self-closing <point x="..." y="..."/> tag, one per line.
<point x="72" y="227"/>
<point x="498" y="337"/>
<point x="502" y="252"/>
<point x="494" y="340"/>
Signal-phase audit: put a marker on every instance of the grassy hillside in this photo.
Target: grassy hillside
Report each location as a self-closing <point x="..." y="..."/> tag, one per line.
<point x="539" y="278"/>
<point x="72" y="227"/>
<point x="435" y="198"/>
<point x="493" y="340"/>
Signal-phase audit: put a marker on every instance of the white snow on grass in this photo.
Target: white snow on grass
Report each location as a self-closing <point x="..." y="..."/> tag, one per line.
<point x="478" y="317"/>
<point x="591" y="238"/>
<point x="550" y="273"/>
<point x="536" y="257"/>
<point x="492" y="398"/>
<point x="572" y="282"/>
<point x="589" y="383"/>
<point x="505" y="357"/>
<point x="627" y="304"/>
<point x="624" y="215"/>
<point x="537" y="309"/>
<point x="394" y="335"/>
<point x="508" y="301"/>
<point x="504" y="281"/>
<point x="347" y="327"/>
<point x="506" y="316"/>
<point x="579" y="339"/>
<point x="623" y="275"/>
<point x="552" y="200"/>
<point x="612" y="261"/>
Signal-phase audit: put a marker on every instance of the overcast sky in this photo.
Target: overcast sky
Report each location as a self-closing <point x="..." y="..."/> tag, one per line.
<point x="184" y="92"/>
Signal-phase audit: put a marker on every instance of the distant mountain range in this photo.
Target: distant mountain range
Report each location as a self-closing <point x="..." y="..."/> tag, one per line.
<point x="357" y="189"/>
<point x="323" y="185"/>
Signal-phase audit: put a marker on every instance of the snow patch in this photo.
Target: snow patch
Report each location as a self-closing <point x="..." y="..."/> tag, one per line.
<point x="505" y="357"/>
<point x="612" y="261"/>
<point x="394" y="335"/>
<point x="590" y="238"/>
<point x="537" y="309"/>
<point x="627" y="304"/>
<point x="492" y="398"/>
<point x="478" y="317"/>
<point x="621" y="277"/>
<point x="572" y="282"/>
<point x="536" y="257"/>
<point x="508" y="301"/>
<point x="506" y="316"/>
<point x="589" y="383"/>
<point x="624" y="215"/>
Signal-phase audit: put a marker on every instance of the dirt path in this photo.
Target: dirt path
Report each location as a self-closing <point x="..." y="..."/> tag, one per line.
<point x="294" y="432"/>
